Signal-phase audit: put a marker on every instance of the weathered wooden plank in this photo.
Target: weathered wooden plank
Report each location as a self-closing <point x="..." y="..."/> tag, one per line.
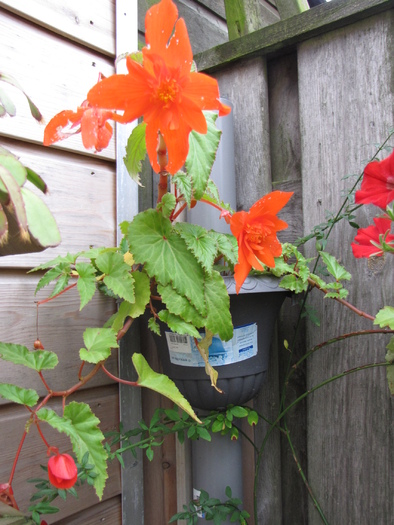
<point x="93" y="28"/>
<point x="350" y="422"/>
<point x="251" y="135"/>
<point x="56" y="74"/>
<point x="76" y="184"/>
<point x="283" y="35"/>
<point x="246" y="16"/>
<point x="109" y="511"/>
<point x="104" y="403"/>
<point x="288" y="8"/>
<point x="60" y="328"/>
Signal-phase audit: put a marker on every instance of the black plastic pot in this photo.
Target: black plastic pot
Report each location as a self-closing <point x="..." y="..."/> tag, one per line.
<point x="255" y="307"/>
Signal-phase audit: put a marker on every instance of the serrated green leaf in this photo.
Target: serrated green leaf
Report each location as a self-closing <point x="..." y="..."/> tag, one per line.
<point x="160" y="383"/>
<point x="81" y="426"/>
<point x="227" y="246"/>
<point x="67" y="260"/>
<point x="86" y="283"/>
<point x="385" y="317"/>
<point x="133" y="310"/>
<point x="183" y="184"/>
<point x="200" y="242"/>
<point x="333" y="266"/>
<point x="167" y="204"/>
<point x="179" y="305"/>
<point x="202" y="154"/>
<point x="117" y="275"/>
<point x="20" y="355"/>
<point x="166" y="256"/>
<point x="218" y="319"/>
<point x="135" y="152"/>
<point x="154" y="325"/>
<point x="178" y="325"/>
<point x="98" y="342"/>
<point x="19" y="395"/>
<point x="291" y="282"/>
<point x="52" y="274"/>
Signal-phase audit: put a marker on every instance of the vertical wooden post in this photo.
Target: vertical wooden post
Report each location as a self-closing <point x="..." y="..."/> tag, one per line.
<point x="245" y="16"/>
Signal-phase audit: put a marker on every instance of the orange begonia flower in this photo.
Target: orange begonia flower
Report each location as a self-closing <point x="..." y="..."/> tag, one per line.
<point x="163" y="90"/>
<point x="91" y="122"/>
<point x="255" y="231"/>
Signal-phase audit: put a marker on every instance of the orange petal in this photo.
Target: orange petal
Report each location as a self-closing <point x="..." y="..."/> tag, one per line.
<point x="271" y="203"/>
<point x="89" y="128"/>
<point x="54" y="129"/>
<point x="241" y="270"/>
<point x="159" y="24"/>
<point x="177" y="143"/>
<point x="193" y="116"/>
<point x="202" y="90"/>
<point x="151" y="146"/>
<point x="179" y="53"/>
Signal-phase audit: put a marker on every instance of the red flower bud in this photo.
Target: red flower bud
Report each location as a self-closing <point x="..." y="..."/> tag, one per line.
<point x="38" y="345"/>
<point x="62" y="471"/>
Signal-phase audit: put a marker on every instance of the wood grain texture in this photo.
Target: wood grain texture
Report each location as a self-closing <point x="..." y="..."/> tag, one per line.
<point x="56" y="74"/>
<point x="108" y="511"/>
<point x="251" y="128"/>
<point x="81" y="197"/>
<point x="346" y="107"/>
<point x="103" y="402"/>
<point x="60" y="328"/>
<point x="75" y="20"/>
<point x="284" y="35"/>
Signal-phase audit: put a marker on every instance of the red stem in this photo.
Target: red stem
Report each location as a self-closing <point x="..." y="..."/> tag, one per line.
<point x="16" y="458"/>
<point x="57" y="295"/>
<point x="123" y="381"/>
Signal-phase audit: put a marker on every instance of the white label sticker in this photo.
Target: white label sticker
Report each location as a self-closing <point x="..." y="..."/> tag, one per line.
<point x="243" y="345"/>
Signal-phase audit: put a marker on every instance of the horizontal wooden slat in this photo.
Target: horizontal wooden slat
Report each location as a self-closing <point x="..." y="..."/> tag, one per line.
<point x="81" y="197"/>
<point x="55" y="73"/>
<point x="60" y="327"/>
<point x="94" y="28"/>
<point x="104" y="404"/>
<point x="109" y="511"/>
<point x="287" y="33"/>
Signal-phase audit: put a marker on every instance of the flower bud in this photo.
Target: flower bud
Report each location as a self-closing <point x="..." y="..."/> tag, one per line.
<point x="62" y="471"/>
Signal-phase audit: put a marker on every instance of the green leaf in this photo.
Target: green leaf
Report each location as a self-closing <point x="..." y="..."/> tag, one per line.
<point x="16" y="169"/>
<point x="178" y="325"/>
<point x="133" y="310"/>
<point x="81" y="426"/>
<point x="61" y="270"/>
<point x="202" y="154"/>
<point x="3" y="225"/>
<point x="86" y="283"/>
<point x="36" y="179"/>
<point x="20" y="355"/>
<point x="7" y="104"/>
<point x="33" y="108"/>
<point x="291" y="282"/>
<point x="41" y="223"/>
<point x="66" y="260"/>
<point x="184" y="185"/>
<point x="12" y="188"/>
<point x="166" y="256"/>
<point x="160" y="383"/>
<point x="154" y="326"/>
<point x="390" y="368"/>
<point x="200" y="242"/>
<point x="118" y="277"/>
<point x="135" y="152"/>
<point x="335" y="269"/>
<point x="19" y="395"/>
<point x="239" y="412"/>
<point x="218" y="307"/>
<point x="227" y="246"/>
<point x="98" y="342"/>
<point x="385" y="317"/>
<point x="179" y="305"/>
<point x="167" y="204"/>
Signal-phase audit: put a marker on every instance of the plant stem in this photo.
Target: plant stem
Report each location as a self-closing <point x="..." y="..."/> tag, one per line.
<point x="118" y="379"/>
<point x="43" y="301"/>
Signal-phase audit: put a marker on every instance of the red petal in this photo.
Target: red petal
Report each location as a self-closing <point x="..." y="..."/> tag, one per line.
<point x="54" y="129"/>
<point x="159" y="24"/>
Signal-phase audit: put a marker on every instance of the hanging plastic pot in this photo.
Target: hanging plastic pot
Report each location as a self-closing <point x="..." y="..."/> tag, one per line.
<point x="242" y="363"/>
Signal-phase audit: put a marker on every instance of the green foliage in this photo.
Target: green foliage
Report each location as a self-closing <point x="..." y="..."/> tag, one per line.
<point x="135" y="152"/>
<point x="99" y="343"/>
<point x="160" y="383"/>
<point x="81" y="426"/>
<point x="18" y="395"/>
<point x="385" y="317"/>
<point x="20" y="355"/>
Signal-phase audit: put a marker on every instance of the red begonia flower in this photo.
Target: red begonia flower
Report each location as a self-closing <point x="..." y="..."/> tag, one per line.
<point x="255" y="231"/>
<point x="363" y="247"/>
<point x="163" y="90"/>
<point x="91" y="122"/>
<point x="377" y="186"/>
<point x="62" y="471"/>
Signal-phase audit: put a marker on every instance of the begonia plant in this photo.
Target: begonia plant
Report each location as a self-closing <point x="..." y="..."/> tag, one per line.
<point x="159" y="258"/>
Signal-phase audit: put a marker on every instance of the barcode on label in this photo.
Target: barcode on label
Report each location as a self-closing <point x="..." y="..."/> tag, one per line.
<point x="176" y="338"/>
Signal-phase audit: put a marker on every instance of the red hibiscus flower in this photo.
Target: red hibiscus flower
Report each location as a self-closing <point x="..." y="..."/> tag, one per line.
<point x="91" y="122"/>
<point x="255" y="231"/>
<point x="163" y="90"/>
<point x="377" y="186"/>
<point x="368" y="241"/>
<point x="62" y="471"/>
